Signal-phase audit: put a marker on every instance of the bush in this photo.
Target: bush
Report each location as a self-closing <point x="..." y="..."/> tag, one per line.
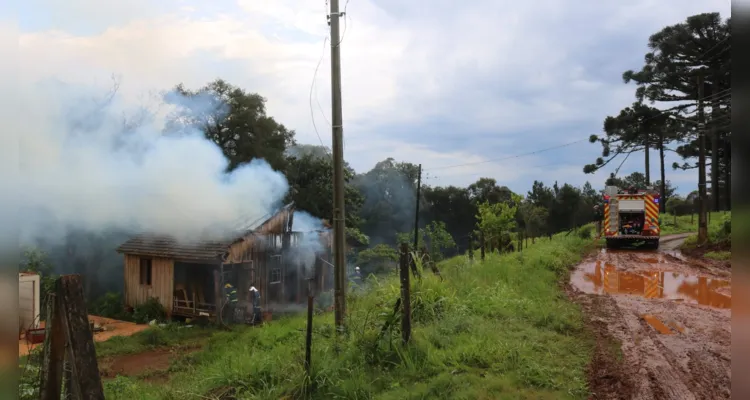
<point x="585" y="232"/>
<point x="150" y="310"/>
<point x="110" y="305"/>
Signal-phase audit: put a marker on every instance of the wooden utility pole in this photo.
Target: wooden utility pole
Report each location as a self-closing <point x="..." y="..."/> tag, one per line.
<point x="339" y="239"/>
<point x="416" y="222"/>
<point x="404" y="262"/>
<point x="702" y="223"/>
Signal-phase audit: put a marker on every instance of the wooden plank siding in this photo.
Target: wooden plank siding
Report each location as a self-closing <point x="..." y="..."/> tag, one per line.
<point x="162" y="281"/>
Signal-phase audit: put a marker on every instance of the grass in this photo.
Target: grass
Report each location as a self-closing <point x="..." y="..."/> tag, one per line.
<point x="719" y="236"/>
<point x="719" y="255"/>
<point x="684" y="223"/>
<point x="501" y="328"/>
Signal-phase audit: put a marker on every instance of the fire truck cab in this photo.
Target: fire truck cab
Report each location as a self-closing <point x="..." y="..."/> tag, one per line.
<point x="631" y="216"/>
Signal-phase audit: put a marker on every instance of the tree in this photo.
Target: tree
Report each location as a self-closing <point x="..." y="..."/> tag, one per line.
<point x="309" y="171"/>
<point x="378" y="259"/>
<point x="680" y="54"/>
<point x="636" y="128"/>
<point x="453" y="206"/>
<point x="534" y="219"/>
<point x="498" y="223"/>
<point x="487" y="190"/>
<point x="232" y="118"/>
<point x="389" y="191"/>
<point x="434" y="237"/>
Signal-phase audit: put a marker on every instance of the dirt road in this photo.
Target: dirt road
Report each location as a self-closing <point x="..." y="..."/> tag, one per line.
<point x="662" y="324"/>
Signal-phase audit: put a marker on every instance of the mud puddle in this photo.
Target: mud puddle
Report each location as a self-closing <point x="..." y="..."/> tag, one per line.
<point x="602" y="277"/>
<point x="661" y="322"/>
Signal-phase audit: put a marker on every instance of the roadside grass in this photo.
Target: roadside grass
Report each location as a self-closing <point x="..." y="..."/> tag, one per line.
<point x="719" y="236"/>
<point x="501" y="328"/>
<point x="684" y="223"/>
<point x="718" y="255"/>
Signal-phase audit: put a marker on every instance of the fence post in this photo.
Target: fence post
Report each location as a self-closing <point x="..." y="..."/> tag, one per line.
<point x="404" y="262"/>
<point x="86" y="381"/>
<point x="54" y="352"/>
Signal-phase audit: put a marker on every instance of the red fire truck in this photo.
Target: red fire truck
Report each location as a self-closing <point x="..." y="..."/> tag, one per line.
<point x="631" y="216"/>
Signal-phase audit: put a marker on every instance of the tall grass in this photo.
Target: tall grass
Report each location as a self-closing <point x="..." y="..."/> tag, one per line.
<point x="685" y="223"/>
<point x="501" y="328"/>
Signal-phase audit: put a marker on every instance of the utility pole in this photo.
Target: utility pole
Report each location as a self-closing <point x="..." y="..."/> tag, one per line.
<point x="339" y="240"/>
<point x="702" y="223"/>
<point x="416" y="220"/>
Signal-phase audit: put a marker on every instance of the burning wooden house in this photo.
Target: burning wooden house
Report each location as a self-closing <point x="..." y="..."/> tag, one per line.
<point x="188" y="278"/>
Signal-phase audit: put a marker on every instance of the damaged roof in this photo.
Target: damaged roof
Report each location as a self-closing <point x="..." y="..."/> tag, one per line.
<point x="169" y="247"/>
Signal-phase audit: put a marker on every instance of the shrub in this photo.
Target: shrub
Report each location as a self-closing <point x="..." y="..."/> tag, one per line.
<point x="585" y="232"/>
<point x="150" y="310"/>
<point x="110" y="305"/>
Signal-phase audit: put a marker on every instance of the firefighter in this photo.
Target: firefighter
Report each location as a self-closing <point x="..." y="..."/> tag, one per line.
<point x="230" y="296"/>
<point x="255" y="300"/>
<point x="598" y="217"/>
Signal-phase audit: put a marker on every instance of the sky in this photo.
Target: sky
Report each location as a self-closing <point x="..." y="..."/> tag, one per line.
<point x="461" y="88"/>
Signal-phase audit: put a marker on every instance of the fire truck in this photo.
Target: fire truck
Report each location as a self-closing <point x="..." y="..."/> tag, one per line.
<point x="631" y="216"/>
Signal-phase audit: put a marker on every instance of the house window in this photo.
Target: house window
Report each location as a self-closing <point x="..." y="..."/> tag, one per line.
<point x="275" y="269"/>
<point x="146" y="271"/>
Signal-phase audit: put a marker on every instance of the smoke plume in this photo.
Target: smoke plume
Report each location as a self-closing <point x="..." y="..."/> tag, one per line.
<point x="90" y="162"/>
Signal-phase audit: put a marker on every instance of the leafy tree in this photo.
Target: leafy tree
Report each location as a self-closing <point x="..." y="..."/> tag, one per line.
<point x="378" y="259"/>
<point x="498" y="223"/>
<point x="309" y="171"/>
<point x="453" y="206"/>
<point x="534" y="219"/>
<point x="389" y="191"/>
<point x="234" y="119"/>
<point x="434" y="236"/>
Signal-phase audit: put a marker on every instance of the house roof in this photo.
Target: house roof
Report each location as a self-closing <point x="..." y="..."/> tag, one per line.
<point x="165" y="246"/>
<point x="170" y="247"/>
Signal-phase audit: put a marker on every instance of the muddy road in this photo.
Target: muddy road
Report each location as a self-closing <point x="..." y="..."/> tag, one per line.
<point x="662" y="323"/>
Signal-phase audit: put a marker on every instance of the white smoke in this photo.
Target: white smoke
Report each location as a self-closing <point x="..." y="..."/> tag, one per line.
<point x="89" y="161"/>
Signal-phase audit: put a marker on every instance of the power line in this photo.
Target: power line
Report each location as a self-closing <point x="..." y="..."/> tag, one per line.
<point x="346" y="25"/>
<point x="312" y="87"/>
<point x="510" y="157"/>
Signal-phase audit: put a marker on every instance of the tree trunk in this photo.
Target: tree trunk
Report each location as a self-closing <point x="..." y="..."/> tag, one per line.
<point x="715" y="145"/>
<point x="663" y="186"/>
<point x="727" y="173"/>
<point x="648" y="161"/>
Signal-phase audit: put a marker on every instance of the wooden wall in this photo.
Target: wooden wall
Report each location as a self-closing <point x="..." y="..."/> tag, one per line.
<point x="162" y="281"/>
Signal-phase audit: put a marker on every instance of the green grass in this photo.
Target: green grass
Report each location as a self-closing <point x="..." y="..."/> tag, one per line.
<point x="684" y="223"/>
<point x="719" y="255"/>
<point x="719" y="233"/>
<point x="495" y="329"/>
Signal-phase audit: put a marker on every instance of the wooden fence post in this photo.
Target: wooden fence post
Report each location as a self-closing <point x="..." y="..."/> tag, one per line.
<point x="54" y="351"/>
<point x="84" y="370"/>
<point x="308" y="335"/>
<point x="404" y="262"/>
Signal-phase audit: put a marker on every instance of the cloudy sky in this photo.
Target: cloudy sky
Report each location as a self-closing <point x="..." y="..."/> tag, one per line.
<point x="438" y="82"/>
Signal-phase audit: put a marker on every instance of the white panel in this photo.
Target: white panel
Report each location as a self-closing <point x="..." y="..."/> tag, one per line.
<point x="632" y="205"/>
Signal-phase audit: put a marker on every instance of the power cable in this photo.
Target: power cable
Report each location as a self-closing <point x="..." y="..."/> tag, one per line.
<point x="508" y="158"/>
<point x="312" y="87"/>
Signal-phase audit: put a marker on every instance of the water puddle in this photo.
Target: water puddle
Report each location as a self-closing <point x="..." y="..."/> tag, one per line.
<point x="601" y="277"/>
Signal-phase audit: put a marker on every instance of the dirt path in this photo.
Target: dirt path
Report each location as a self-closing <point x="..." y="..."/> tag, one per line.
<point x="662" y="323"/>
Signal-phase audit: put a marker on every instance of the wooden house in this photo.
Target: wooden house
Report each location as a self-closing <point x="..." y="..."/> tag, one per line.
<point x="188" y="278"/>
